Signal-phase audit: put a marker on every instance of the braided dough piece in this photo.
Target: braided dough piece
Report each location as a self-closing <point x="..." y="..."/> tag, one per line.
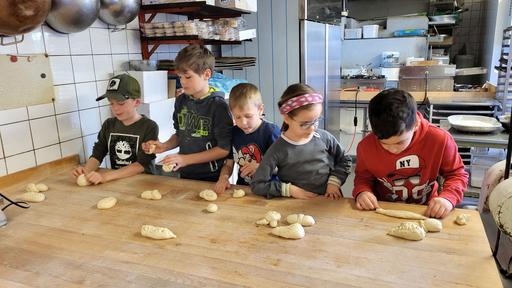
<point x="151" y="194"/>
<point x="32" y="188"/>
<point x="304" y="220"/>
<point x="401" y="214"/>
<point x="33" y="197"/>
<point x="41" y="187"/>
<point x="158" y="233"/>
<point x="294" y="231"/>
<point x="409" y="231"/>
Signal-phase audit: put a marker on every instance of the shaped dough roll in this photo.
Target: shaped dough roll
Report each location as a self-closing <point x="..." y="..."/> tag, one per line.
<point x="33" y="197"/>
<point x="156" y="232"/>
<point x="409" y="231"/>
<point x="208" y="195"/>
<point x="32" y="188"/>
<point x="239" y="193"/>
<point x="294" y="231"/>
<point x="41" y="187"/>
<point x="401" y="214"/>
<point x="271" y="217"/>
<point x="151" y="194"/>
<point x="304" y="220"/>
<point x="212" y="208"/>
<point x="82" y="180"/>
<point x="462" y="219"/>
<point x="431" y="225"/>
<point x="106" y="203"/>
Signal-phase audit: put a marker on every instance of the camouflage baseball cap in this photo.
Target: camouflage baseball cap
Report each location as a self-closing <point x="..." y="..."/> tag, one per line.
<point x="121" y="88"/>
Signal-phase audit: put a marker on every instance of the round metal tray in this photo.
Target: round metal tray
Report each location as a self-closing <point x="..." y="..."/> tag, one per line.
<point x="472" y="123"/>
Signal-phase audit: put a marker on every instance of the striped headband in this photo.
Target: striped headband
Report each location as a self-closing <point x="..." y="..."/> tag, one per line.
<point x="299" y="101"/>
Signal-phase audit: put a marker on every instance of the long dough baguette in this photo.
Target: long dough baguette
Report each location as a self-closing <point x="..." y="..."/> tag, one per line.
<point x="401" y="214"/>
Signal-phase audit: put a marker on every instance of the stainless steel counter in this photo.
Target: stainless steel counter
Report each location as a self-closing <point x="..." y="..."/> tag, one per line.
<point x="495" y="139"/>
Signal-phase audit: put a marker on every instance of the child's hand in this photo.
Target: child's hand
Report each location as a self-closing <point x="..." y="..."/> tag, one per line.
<point x="333" y="192"/>
<point x="439" y="208"/>
<point x="177" y="159"/>
<point x="221" y="185"/>
<point x="158" y="147"/>
<point x="79" y="171"/>
<point x="94" y="178"/>
<point x="249" y="168"/>
<point x="366" y="201"/>
<point x="300" y="193"/>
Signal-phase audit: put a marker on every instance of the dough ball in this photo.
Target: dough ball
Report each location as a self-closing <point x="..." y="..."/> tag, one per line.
<point x="208" y="195"/>
<point x="152" y="149"/>
<point x="33" y="197"/>
<point x="32" y="188"/>
<point x="82" y="180"/>
<point x="462" y="219"/>
<point x="431" y="225"/>
<point x="156" y="232"/>
<point x="106" y="203"/>
<point x="212" y="208"/>
<point x="168" y="168"/>
<point x="42" y="187"/>
<point x="239" y="193"/>
<point x="151" y="194"/>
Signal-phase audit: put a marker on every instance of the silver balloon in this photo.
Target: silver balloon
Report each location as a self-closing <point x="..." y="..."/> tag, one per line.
<point x="72" y="16"/>
<point x="119" y="12"/>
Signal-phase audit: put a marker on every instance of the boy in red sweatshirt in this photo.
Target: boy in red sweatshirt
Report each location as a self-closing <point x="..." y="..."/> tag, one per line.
<point x="400" y="160"/>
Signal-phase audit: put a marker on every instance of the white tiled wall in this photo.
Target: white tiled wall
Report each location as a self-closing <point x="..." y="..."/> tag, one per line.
<point x="81" y="65"/>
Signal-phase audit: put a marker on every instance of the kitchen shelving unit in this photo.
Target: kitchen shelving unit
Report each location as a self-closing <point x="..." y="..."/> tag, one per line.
<point x="193" y="10"/>
<point x="504" y="88"/>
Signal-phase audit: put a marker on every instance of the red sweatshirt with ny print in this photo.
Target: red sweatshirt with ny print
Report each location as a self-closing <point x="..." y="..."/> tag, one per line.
<point x="411" y="175"/>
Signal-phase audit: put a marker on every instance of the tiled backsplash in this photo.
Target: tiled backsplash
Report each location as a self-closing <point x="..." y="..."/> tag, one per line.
<point x="81" y="64"/>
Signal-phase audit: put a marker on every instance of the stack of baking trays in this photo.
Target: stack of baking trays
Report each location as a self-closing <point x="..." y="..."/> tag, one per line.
<point x="439" y="108"/>
<point x="221" y="63"/>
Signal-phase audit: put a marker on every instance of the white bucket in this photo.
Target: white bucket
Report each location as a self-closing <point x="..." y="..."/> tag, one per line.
<point x="391" y="73"/>
<point x="370" y="31"/>
<point x="413" y="59"/>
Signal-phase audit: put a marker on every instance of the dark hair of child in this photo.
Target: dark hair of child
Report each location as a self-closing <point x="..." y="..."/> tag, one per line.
<point x="392" y="112"/>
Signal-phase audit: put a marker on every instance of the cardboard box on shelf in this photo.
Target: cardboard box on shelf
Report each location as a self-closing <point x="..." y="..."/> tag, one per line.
<point x="247" y="34"/>
<point x="243" y="5"/>
<point x="171" y="88"/>
<point x="447" y="40"/>
<point x="149" y="2"/>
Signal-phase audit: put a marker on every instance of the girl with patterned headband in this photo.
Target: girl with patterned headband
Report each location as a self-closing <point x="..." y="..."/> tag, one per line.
<point x="309" y="161"/>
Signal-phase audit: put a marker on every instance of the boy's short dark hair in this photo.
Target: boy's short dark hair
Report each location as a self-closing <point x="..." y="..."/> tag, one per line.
<point x="196" y="58"/>
<point x="392" y="112"/>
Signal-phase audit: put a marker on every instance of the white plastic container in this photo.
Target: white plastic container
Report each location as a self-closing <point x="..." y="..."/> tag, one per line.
<point x="390" y="59"/>
<point x="370" y="31"/>
<point x="443" y="60"/>
<point x="413" y="59"/>
<point x="153" y="85"/>
<point x="481" y="160"/>
<point x="353" y="33"/>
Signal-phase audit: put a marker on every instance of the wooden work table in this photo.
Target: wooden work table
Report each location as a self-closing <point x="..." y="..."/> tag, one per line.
<point x="65" y="241"/>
